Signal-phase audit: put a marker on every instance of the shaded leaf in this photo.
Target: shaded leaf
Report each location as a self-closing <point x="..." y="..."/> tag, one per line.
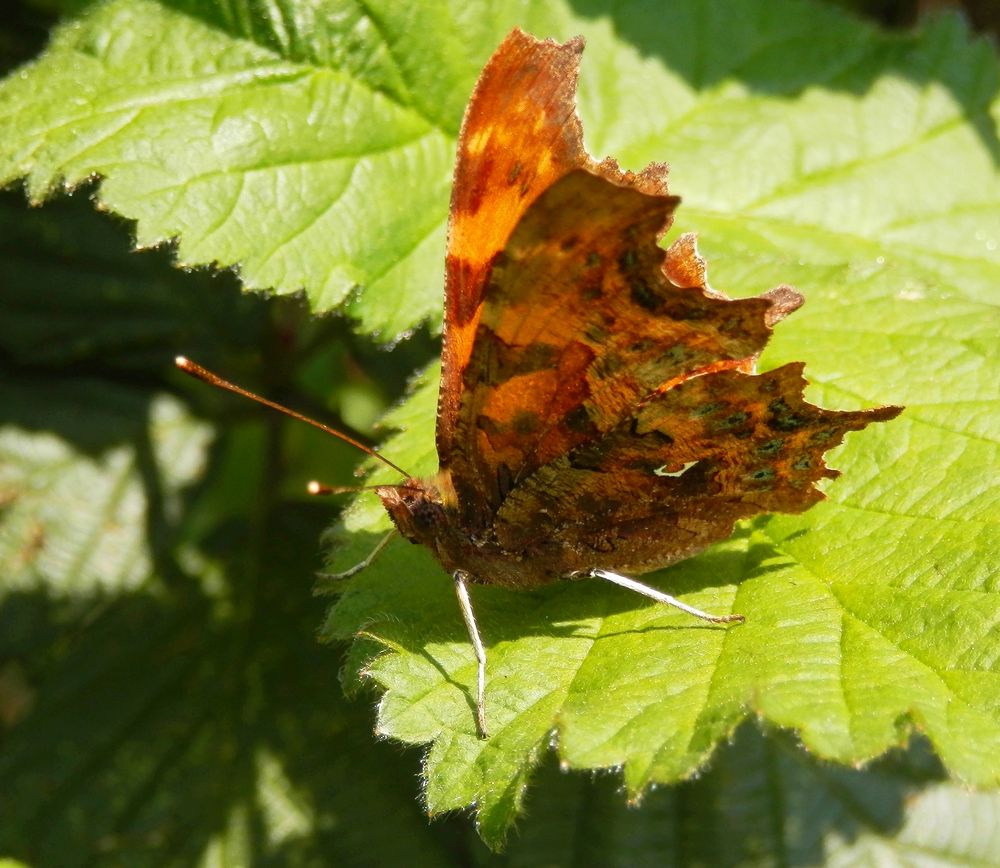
<point x="162" y="697"/>
<point x="765" y="801"/>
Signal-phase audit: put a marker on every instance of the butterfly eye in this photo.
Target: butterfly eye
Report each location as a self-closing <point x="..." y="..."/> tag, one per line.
<point x="425" y="513"/>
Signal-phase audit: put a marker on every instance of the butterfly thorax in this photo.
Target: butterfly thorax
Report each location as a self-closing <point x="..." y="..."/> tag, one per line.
<point x="426" y="511"/>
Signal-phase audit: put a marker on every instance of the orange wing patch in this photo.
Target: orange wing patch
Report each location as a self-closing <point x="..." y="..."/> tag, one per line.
<point x="500" y="170"/>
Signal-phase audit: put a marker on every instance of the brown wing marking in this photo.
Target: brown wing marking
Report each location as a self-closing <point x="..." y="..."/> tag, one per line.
<point x="584" y="317"/>
<point x="675" y="477"/>
<point x="520" y="134"/>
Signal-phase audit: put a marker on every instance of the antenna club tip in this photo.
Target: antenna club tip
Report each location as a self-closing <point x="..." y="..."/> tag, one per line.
<point x="314" y="487"/>
<point x="182" y="362"/>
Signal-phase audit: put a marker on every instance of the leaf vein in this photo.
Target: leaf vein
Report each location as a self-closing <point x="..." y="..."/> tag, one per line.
<point x="804" y="181"/>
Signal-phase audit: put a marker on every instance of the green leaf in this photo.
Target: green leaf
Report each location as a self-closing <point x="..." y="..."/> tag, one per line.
<point x="311" y="146"/>
<point x="865" y="173"/>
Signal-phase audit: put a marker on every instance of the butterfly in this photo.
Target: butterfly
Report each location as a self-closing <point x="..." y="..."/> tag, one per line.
<point x="599" y="412"/>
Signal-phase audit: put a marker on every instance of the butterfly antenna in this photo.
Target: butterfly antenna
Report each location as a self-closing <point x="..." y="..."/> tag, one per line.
<point x="199" y="373"/>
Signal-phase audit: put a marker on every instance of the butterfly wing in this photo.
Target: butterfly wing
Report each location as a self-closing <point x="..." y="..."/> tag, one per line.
<point x="674" y="477"/>
<point x="562" y="311"/>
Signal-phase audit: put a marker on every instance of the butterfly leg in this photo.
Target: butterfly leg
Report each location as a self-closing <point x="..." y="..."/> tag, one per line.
<point x="364" y="564"/>
<point x="465" y="604"/>
<point x="659" y="596"/>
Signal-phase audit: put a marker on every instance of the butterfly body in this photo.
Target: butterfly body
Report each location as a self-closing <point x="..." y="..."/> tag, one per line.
<point x="425" y="512"/>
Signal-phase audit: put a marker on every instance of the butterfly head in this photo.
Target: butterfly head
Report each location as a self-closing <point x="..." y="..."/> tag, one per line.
<point x="419" y="507"/>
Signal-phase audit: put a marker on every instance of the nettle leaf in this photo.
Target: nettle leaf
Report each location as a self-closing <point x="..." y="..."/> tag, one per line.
<point x="867" y="177"/>
<point x="309" y="145"/>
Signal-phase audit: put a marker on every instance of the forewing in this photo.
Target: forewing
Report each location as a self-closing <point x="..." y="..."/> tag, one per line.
<point x="674" y="477"/>
<point x="562" y="310"/>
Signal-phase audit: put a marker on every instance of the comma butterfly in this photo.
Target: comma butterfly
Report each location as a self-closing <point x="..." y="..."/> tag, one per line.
<point x="599" y="412"/>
